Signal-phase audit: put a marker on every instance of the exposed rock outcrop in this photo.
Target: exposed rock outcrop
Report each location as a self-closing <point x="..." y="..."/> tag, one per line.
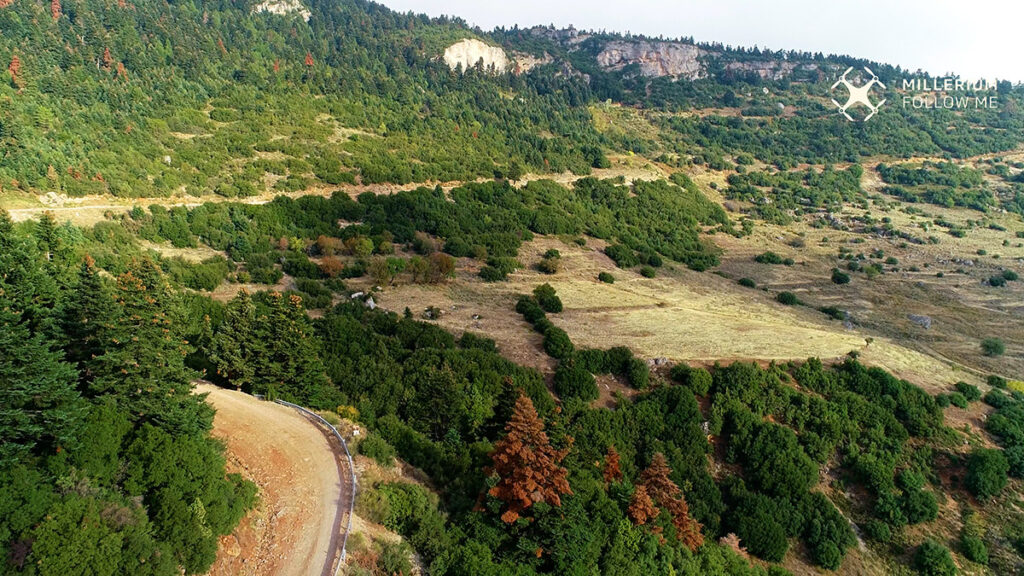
<point x="768" y="69"/>
<point x="656" y="59"/>
<point x="470" y="51"/>
<point x="283" y="8"/>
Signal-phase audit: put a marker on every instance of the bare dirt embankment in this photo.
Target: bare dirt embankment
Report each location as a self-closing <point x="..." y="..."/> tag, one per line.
<point x="295" y="528"/>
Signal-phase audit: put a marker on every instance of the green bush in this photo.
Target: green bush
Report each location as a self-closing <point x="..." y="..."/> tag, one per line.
<point x="1010" y="275"/>
<point x="573" y="381"/>
<point x="747" y="283"/>
<point x="787" y="298"/>
<point x="606" y="278"/>
<point x="557" y="343"/>
<point x="768" y="258"/>
<point x="957" y="399"/>
<point x="638" y="374"/>
<point x="698" y="380"/>
<point x="997" y="281"/>
<point x="623" y="256"/>
<point x="377" y="448"/>
<point x="971" y="393"/>
<point x="993" y="347"/>
<point x="840" y="277"/>
<point x="972" y="545"/>
<point x="547" y="298"/>
<point x="492" y="274"/>
<point x="933" y="559"/>
<point x="987" y="470"/>
<point x="648" y="272"/>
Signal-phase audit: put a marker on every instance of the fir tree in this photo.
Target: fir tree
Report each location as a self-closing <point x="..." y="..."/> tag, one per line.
<point x="528" y="468"/>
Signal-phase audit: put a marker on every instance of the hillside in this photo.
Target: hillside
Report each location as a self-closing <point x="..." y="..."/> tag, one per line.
<point x="597" y="303"/>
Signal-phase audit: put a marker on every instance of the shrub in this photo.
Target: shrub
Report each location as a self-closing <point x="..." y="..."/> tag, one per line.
<point x="573" y="381"/>
<point x="377" y="448"/>
<point x="971" y="543"/>
<point x="557" y="343"/>
<point x="698" y="380"/>
<point x="986" y="473"/>
<point x="530" y="309"/>
<point x="840" y="277"/>
<point x="623" y="256"/>
<point x="1010" y="275"/>
<point x="878" y="531"/>
<point x="996" y="381"/>
<point x="548" y="265"/>
<point x="1015" y="458"/>
<point x="993" y="347"/>
<point x="470" y="341"/>
<point x="787" y="298"/>
<point x="492" y="274"/>
<point x="747" y="283"/>
<point x="606" y="278"/>
<point x="933" y="559"/>
<point x="547" y="298"/>
<point x="768" y="258"/>
<point x="971" y="393"/>
<point x="957" y="399"/>
<point x="638" y="374"/>
<point x="648" y="272"/>
<point x="997" y="281"/>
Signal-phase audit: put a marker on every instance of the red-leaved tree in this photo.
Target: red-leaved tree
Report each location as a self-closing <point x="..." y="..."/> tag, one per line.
<point x="612" y="469"/>
<point x="528" y="468"/>
<point x="665" y="492"/>
<point x="641" y="507"/>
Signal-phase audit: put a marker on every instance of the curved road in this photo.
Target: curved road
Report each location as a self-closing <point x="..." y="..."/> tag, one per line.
<point x="304" y="495"/>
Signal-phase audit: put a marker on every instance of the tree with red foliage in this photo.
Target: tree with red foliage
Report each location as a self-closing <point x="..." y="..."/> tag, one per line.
<point x="55" y="9"/>
<point x="277" y="66"/>
<point x="108" y="60"/>
<point x="665" y="492"/>
<point x="5" y="3"/>
<point x="15" y="68"/>
<point x="309" y="58"/>
<point x="528" y="468"/>
<point x="612" y="468"/>
<point x="641" y="507"/>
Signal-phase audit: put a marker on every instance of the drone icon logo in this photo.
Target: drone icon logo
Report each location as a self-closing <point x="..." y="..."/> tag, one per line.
<point x="858" y="94"/>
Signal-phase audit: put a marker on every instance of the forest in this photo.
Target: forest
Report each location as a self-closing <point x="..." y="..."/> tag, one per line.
<point x="123" y="446"/>
<point x="108" y="466"/>
<point x="203" y="97"/>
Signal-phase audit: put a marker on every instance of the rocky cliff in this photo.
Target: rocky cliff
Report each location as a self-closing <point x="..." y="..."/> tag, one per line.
<point x="283" y="8"/>
<point x="470" y="51"/>
<point x="656" y="59"/>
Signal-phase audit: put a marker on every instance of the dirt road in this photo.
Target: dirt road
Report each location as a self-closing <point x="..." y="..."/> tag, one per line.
<point x="295" y="529"/>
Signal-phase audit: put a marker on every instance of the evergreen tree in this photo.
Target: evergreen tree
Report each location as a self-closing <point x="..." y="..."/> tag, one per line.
<point x="527" y="466"/>
<point x="39" y="406"/>
<point x="143" y="363"/>
<point x="86" y="317"/>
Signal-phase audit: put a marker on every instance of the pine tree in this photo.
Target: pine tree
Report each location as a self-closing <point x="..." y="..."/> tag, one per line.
<point x="528" y="468"/>
<point x="143" y="363"/>
<point x="309" y="59"/>
<point x="87" y="317"/>
<point x="234" y="345"/>
<point x="55" y="9"/>
<point x="108" y="59"/>
<point x="291" y="365"/>
<point x="612" y="468"/>
<point x="665" y="492"/>
<point x="641" y="507"/>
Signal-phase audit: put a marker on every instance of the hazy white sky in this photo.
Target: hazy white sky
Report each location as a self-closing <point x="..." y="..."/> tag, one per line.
<point x="976" y="39"/>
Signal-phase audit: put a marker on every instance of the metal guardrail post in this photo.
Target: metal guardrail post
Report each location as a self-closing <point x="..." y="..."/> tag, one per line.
<point x="351" y="469"/>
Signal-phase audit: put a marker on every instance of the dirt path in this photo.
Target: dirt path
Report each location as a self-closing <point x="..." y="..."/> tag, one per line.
<point x="295" y="528"/>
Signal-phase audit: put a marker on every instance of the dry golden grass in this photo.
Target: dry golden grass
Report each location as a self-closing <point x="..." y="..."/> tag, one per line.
<point x="681" y="315"/>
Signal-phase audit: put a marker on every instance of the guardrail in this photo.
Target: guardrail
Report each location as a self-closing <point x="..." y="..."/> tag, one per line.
<point x="351" y="469"/>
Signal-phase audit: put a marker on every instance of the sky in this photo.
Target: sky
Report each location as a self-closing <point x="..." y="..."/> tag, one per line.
<point x="976" y="39"/>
